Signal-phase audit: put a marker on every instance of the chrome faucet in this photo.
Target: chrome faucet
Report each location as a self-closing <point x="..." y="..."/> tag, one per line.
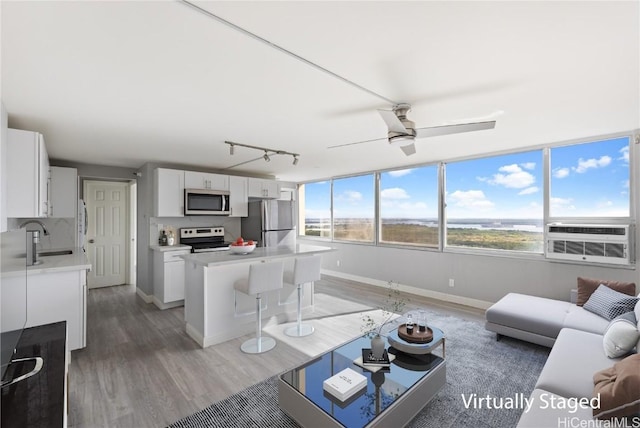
<point x="44" y="229"/>
<point x="32" y="253"/>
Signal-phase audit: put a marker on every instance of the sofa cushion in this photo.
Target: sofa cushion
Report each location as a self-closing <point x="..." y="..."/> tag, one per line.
<point x="573" y="360"/>
<point x="587" y="286"/>
<point x="619" y="389"/>
<point x="609" y="303"/>
<point x="545" y="412"/>
<point x="529" y="313"/>
<point x="579" y="318"/>
<point x="621" y="335"/>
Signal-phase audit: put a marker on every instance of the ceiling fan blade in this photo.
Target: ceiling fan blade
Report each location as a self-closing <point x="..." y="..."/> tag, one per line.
<point x="392" y="121"/>
<point x="409" y="149"/>
<point x="454" y="129"/>
<point x="352" y="144"/>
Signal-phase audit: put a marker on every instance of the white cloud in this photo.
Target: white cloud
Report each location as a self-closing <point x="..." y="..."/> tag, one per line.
<point x="350" y="196"/>
<point x="584" y="165"/>
<point x="515" y="177"/>
<point x="528" y="165"/>
<point x="529" y="190"/>
<point x="394" y="193"/>
<point x="561" y="206"/>
<point x="605" y="204"/>
<point x="625" y="184"/>
<point x="561" y="172"/>
<point x="400" y="172"/>
<point x="470" y="199"/>
<point x="624" y="157"/>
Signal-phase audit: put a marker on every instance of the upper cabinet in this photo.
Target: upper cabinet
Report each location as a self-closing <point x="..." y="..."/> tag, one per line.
<point x="265" y="189"/>
<point x="238" y="195"/>
<point x="27" y="175"/>
<point x="169" y="192"/>
<point x="203" y="180"/>
<point x="63" y="192"/>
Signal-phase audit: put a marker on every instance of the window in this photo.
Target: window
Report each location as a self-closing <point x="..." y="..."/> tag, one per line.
<point x="409" y="206"/>
<point x="590" y="179"/>
<point x="496" y="202"/>
<point x="315" y="209"/>
<point x="353" y="208"/>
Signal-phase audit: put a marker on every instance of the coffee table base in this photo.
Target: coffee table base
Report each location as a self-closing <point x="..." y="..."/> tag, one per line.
<point x="307" y="414"/>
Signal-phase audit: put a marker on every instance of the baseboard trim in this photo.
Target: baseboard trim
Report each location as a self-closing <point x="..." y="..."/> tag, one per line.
<point x="144" y="296"/>
<point x="169" y="305"/>
<point x="460" y="300"/>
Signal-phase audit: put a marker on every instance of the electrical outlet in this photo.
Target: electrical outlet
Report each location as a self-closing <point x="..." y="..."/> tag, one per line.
<point x="451" y="282"/>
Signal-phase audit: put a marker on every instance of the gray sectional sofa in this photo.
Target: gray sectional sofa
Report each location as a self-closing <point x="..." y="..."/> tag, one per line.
<point x="576" y="338"/>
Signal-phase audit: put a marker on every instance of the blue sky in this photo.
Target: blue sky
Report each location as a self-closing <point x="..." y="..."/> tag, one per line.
<point x="587" y="180"/>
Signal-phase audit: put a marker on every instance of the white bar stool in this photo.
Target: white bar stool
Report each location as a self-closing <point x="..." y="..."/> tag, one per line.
<point x="262" y="277"/>
<point x="305" y="270"/>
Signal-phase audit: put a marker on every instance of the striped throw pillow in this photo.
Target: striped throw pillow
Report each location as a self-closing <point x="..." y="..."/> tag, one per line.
<point x="609" y="303"/>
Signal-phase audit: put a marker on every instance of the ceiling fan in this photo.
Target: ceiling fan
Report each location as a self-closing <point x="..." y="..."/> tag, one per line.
<point x="402" y="132"/>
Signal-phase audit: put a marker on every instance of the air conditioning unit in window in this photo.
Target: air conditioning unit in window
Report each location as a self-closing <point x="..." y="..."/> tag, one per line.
<point x="598" y="243"/>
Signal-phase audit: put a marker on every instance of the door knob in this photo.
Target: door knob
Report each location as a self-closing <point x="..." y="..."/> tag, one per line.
<point x="91" y="241"/>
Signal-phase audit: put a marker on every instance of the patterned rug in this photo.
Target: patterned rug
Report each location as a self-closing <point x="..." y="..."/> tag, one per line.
<point x="476" y="363"/>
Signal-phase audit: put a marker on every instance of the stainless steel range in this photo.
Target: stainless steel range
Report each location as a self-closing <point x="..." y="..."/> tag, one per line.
<point x="204" y="239"/>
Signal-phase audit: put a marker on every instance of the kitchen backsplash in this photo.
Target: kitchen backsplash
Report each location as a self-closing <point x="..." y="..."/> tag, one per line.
<point x="62" y="231"/>
<point x="157" y="224"/>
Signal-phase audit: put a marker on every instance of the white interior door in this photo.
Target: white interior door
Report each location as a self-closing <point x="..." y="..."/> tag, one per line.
<point x="106" y="240"/>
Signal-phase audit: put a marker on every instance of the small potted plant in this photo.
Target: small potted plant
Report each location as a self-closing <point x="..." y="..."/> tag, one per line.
<point x="393" y="305"/>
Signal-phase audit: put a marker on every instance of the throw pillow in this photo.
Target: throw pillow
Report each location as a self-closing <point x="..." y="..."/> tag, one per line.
<point x="637" y="312"/>
<point x="621" y="335"/>
<point x="609" y="303"/>
<point x="586" y="287"/>
<point x="619" y="389"/>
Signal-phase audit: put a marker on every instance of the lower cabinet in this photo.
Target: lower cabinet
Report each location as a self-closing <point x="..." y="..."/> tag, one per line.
<point x="168" y="278"/>
<point x="59" y="296"/>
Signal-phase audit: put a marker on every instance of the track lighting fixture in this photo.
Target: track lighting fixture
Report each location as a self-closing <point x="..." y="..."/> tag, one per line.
<point x="267" y="153"/>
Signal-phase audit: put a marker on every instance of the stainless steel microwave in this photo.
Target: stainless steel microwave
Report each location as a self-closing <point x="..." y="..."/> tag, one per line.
<point x="206" y="202"/>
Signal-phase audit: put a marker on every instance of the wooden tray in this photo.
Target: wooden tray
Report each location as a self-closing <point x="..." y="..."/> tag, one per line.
<point x="416" y="336"/>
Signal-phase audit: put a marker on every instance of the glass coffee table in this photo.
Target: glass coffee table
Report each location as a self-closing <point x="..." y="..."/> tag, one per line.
<point x="392" y="397"/>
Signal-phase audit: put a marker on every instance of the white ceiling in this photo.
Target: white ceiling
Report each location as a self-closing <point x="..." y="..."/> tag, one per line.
<point x="124" y="83"/>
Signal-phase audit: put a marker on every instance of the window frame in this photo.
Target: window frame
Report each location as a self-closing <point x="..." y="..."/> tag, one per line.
<point x="632" y="219"/>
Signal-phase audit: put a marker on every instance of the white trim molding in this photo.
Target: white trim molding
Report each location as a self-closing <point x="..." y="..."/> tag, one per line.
<point x="144" y="296"/>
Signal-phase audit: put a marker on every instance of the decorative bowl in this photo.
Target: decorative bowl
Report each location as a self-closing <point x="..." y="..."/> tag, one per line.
<point x="242" y="249"/>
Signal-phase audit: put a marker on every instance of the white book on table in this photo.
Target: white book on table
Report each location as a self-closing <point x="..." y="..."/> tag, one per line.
<point x="344" y="384"/>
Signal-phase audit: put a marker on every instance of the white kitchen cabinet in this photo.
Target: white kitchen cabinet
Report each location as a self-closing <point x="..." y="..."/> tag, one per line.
<point x="204" y="180"/>
<point x="261" y="188"/>
<point x="169" y="192"/>
<point x="63" y="199"/>
<point x="27" y="174"/>
<point x="59" y="296"/>
<point x="168" y="278"/>
<point x="239" y="196"/>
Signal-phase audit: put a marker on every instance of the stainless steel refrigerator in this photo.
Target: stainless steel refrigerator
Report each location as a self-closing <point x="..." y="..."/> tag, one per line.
<point x="270" y="222"/>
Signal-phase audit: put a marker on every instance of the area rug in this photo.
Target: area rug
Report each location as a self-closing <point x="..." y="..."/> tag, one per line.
<point x="476" y="364"/>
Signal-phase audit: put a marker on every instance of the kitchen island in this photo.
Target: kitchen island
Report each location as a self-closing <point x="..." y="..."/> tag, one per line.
<point x="214" y="312"/>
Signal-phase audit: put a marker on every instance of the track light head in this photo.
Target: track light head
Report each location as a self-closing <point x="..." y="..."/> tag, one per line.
<point x="295" y="160"/>
<point x="231" y="149"/>
<point x="266" y="157"/>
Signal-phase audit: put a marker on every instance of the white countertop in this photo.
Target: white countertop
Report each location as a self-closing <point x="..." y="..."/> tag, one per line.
<point x="163" y="248"/>
<point x="218" y="258"/>
<point x="50" y="264"/>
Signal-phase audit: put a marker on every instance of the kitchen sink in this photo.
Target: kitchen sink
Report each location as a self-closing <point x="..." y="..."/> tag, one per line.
<point x="55" y="253"/>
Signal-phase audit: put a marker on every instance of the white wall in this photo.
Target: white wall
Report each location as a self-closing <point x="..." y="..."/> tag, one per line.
<point x="478" y="279"/>
<point x="3" y="167"/>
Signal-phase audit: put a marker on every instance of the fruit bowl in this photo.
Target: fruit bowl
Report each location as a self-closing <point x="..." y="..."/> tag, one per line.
<point x="242" y="249"/>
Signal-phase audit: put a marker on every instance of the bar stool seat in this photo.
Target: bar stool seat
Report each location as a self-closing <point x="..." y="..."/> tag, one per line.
<point x="305" y="270"/>
<point x="262" y="277"/>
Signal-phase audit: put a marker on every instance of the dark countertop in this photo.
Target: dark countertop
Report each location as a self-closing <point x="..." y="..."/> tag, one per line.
<point x="38" y="401"/>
